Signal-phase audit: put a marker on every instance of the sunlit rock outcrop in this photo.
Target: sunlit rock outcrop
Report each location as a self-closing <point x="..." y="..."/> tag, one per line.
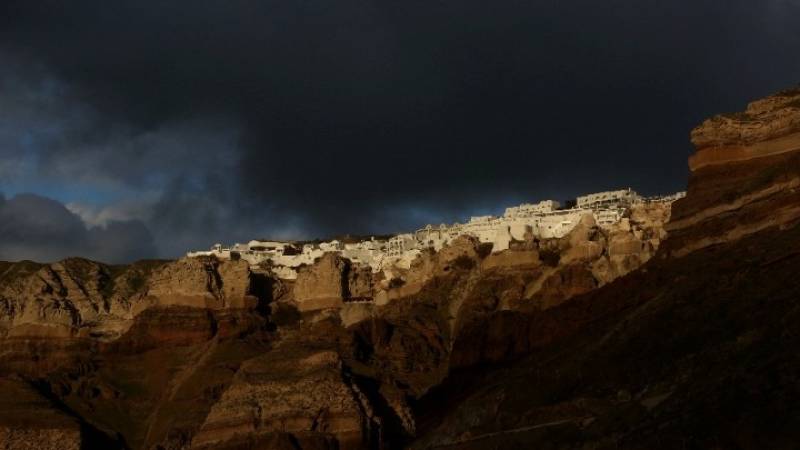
<point x="745" y="175"/>
<point x="202" y="283"/>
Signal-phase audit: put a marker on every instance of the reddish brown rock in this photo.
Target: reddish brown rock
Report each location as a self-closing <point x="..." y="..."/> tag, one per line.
<point x="331" y="281"/>
<point x="71" y="298"/>
<point x="523" y="258"/>
<point x="745" y="176"/>
<point x="301" y="394"/>
<point x="203" y="283"/>
<point x="80" y="298"/>
<point x="460" y="254"/>
<point x="767" y="127"/>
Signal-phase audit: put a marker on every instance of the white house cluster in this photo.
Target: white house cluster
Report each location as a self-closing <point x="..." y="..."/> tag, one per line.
<point x="543" y="220"/>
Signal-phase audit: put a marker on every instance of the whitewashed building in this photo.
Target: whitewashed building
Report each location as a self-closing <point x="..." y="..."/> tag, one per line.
<point x="543" y="220"/>
<point x="609" y="199"/>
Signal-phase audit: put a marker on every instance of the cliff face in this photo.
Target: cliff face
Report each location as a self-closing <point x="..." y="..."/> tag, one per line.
<point x="301" y="394"/>
<point x="331" y="281"/>
<point x="333" y="360"/>
<point x="744" y="175"/>
<point x="696" y="352"/>
<point x="684" y="353"/>
<point x="675" y="328"/>
<point x="769" y="126"/>
<point x="79" y="298"/>
<point x="71" y="298"/>
<point x="202" y="283"/>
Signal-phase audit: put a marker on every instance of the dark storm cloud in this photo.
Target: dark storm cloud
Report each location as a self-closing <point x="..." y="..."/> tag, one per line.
<point x="310" y="118"/>
<point x="42" y="229"/>
<point x="53" y="140"/>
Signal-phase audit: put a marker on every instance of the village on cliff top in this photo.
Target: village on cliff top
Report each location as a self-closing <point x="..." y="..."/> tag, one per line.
<point x="543" y="220"/>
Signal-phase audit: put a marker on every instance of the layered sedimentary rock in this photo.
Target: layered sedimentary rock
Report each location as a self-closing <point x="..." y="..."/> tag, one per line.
<point x="79" y="298"/>
<point x="770" y="126"/>
<point x="299" y="393"/>
<point x="745" y="175"/>
<point x="71" y="298"/>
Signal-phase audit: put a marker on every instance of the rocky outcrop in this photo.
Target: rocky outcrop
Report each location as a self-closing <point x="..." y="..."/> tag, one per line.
<point x="360" y="282"/>
<point x="203" y="283"/>
<point x="767" y="127"/>
<point x="331" y="281"/>
<point x="81" y="298"/>
<point x="633" y="241"/>
<point x="461" y="253"/>
<point x="299" y="393"/>
<point x="321" y="285"/>
<point x="744" y="178"/>
<point x="71" y="298"/>
<point x="589" y="256"/>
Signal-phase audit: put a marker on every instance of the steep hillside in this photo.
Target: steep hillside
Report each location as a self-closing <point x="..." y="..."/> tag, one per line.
<point x="209" y="354"/>
<point x="694" y="350"/>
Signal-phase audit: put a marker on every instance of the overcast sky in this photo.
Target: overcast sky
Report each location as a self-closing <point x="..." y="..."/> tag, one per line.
<point x="133" y="129"/>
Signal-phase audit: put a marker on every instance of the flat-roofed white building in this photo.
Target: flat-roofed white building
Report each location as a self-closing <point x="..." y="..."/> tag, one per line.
<point x="401" y="243"/>
<point x="608" y="217"/>
<point x="531" y="209"/>
<point x="543" y="220"/>
<point x="620" y="198"/>
<point x="266" y="246"/>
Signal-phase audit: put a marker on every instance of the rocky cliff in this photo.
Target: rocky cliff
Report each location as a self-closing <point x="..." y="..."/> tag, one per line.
<point x="675" y="328"/>
<point x="81" y="298"/>
<point x="768" y="127"/>
<point x="334" y="359"/>
<point x="744" y="176"/>
<point x="693" y="350"/>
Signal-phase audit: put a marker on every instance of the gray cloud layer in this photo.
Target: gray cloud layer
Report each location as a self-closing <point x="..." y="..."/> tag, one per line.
<point x="214" y="121"/>
<point x="42" y="229"/>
